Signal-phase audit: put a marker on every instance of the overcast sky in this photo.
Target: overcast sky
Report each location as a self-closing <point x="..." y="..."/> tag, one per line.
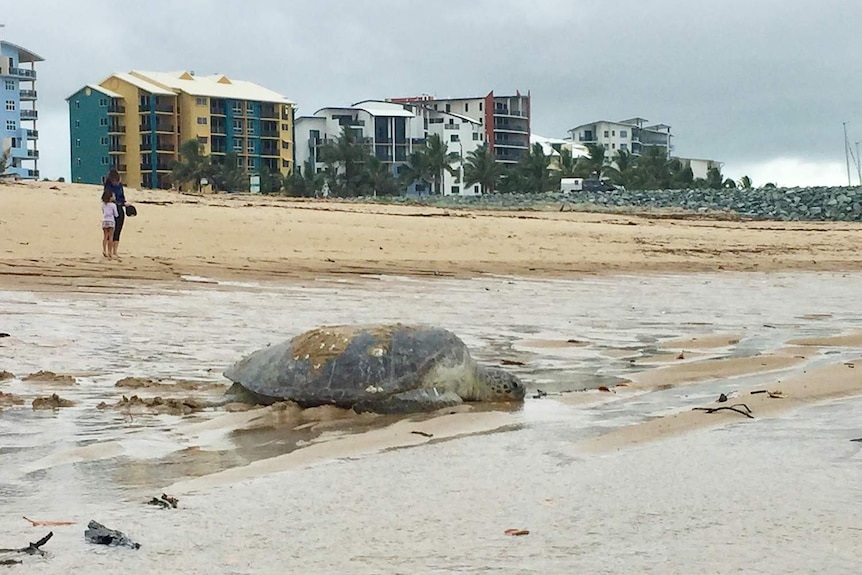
<point x="761" y="85"/>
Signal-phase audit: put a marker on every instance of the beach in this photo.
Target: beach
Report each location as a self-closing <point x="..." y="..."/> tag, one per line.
<point x="633" y="333"/>
<point x="47" y="237"/>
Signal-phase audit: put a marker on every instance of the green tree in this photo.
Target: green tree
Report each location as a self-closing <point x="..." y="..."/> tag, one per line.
<point x="482" y="168"/>
<point x="192" y="165"/>
<point x="271" y="182"/>
<point x="594" y="164"/>
<point x="623" y="172"/>
<point x="228" y="176"/>
<point x="304" y="182"/>
<point x="438" y="160"/>
<point x="346" y="161"/>
<point x="380" y="178"/>
<point x="417" y="171"/>
<point x="745" y="183"/>
<point x="568" y="164"/>
<point x="535" y="172"/>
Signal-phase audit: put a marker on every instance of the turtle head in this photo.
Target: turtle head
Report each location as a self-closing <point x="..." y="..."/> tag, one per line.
<point x="499" y="385"/>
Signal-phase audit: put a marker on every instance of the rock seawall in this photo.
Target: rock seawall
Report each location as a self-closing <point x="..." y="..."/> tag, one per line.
<point x="785" y="204"/>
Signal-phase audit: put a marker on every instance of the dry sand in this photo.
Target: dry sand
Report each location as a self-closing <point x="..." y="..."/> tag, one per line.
<point x="52" y="236"/>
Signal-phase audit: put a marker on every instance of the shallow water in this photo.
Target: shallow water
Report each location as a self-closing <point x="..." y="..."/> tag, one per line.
<point x="783" y="499"/>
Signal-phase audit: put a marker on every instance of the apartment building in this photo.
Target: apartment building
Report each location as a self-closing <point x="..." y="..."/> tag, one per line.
<point x="136" y="122"/>
<point x="632" y="135"/>
<point x="391" y="132"/>
<point x="18" y="115"/>
<point x="505" y="120"/>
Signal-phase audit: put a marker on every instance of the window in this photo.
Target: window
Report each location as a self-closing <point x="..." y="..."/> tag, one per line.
<point x="448" y="107"/>
<point x="77" y="123"/>
<point x="200" y="101"/>
<point x="606" y="133"/>
<point x="11" y="126"/>
<point x="249" y="148"/>
<point x="605" y="146"/>
<point x="476" y="189"/>
<point x="480" y="106"/>
<point x="454" y="138"/>
<point x="202" y="140"/>
<point x="286" y="164"/>
<point x="78" y="162"/>
<point x="285" y="127"/>
<point x="106" y="161"/>
<point x="237" y="126"/>
<point x="476" y="136"/>
<point x="104" y="141"/>
<point x="103" y="102"/>
<point x="466" y="106"/>
<point x="613" y="132"/>
<point x="237" y="143"/>
<point x="202" y="121"/>
<point x="250" y="162"/>
<point x="249" y="107"/>
<point x="77" y="142"/>
<point x="249" y="129"/>
<point x="10" y="84"/>
<point x="624" y="146"/>
<point x="239" y="162"/>
<point x="456" y="189"/>
<point x="624" y="134"/>
<point x="237" y="107"/>
<point x="77" y="104"/>
<point x="613" y="146"/>
<point x="10" y="105"/>
<point x="103" y="121"/>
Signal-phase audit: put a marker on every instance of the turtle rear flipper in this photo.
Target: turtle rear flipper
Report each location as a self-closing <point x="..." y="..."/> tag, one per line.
<point x="415" y="400"/>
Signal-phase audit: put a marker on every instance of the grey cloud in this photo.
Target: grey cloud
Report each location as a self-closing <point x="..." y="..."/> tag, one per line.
<point x="740" y="81"/>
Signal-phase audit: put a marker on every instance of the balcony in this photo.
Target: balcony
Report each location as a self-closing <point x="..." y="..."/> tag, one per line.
<point x="164" y="108"/>
<point x="32" y="153"/>
<point x="510" y="113"/>
<point x="270" y="152"/>
<point x="116" y="128"/>
<point x="28" y="94"/>
<point x="121" y="167"/>
<point x="23" y="73"/>
<point x="268" y="112"/>
<point x="217" y="110"/>
<point x="117" y="148"/>
<point x="165" y="147"/>
<point x="159" y="167"/>
<point x="218" y="129"/>
<point x="116" y="109"/>
<point x="32" y="134"/>
<point x="452" y="126"/>
<point x="29" y="114"/>
<point x="31" y="173"/>
<point x="269" y="134"/>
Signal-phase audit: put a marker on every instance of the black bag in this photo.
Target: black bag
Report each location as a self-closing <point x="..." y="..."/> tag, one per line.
<point x="131" y="211"/>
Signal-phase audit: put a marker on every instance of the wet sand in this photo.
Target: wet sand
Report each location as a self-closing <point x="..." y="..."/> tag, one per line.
<point x="253" y="237"/>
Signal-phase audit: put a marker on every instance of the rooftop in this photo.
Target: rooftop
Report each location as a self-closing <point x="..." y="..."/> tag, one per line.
<point x="213" y="86"/>
<point x="24" y="55"/>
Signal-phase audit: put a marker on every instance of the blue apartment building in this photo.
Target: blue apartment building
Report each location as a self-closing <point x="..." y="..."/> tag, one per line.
<point x="18" y="113"/>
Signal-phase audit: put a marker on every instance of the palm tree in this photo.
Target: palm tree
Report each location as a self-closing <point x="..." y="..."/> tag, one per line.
<point x="745" y="183"/>
<point x="228" y="176"/>
<point x="380" y="179"/>
<point x="594" y="164"/>
<point x="349" y="159"/>
<point x="417" y="170"/>
<point x="534" y="168"/>
<point x="568" y="163"/>
<point x="192" y="166"/>
<point x="304" y="181"/>
<point x="438" y="159"/>
<point x="623" y="172"/>
<point x="482" y="168"/>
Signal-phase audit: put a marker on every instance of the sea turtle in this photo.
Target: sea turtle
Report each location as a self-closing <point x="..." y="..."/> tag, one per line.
<point x="382" y="368"/>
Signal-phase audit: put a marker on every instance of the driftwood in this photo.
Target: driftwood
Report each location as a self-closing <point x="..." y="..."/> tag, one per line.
<point x="744" y="411"/>
<point x="31" y="549"/>
<point x="165" y="501"/>
<point x="35" y="523"/>
<point x="422" y="433"/>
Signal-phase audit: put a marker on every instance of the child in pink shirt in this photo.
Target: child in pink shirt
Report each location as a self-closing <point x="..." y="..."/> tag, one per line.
<point x="109" y="219"/>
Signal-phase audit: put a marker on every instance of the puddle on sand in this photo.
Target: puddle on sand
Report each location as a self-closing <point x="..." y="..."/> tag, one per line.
<point x="81" y="459"/>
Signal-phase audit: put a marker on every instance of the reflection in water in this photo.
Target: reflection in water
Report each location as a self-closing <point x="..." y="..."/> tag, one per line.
<point x="441" y="506"/>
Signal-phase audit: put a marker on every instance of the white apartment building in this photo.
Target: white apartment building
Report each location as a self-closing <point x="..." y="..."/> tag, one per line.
<point x="391" y="132"/>
<point x="699" y="167"/>
<point x="632" y="135"/>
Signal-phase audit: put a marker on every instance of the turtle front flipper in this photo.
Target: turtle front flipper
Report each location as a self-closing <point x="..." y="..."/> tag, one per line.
<point x="413" y="401"/>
